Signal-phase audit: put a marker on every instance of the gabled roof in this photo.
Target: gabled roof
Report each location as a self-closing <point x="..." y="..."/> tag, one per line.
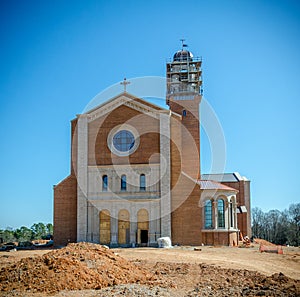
<point x="210" y="184"/>
<point x="129" y="96"/>
<point x="225" y="177"/>
<point x="213" y="185"/>
<point x="128" y="100"/>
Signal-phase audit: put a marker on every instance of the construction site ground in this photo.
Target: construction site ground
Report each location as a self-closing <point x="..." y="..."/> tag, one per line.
<point x="90" y="270"/>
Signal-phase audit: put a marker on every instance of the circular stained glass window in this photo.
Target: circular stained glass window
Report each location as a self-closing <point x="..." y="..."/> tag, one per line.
<point x="123" y="141"/>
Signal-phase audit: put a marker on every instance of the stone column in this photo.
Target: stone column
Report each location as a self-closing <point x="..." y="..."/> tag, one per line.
<point x="153" y="232"/>
<point x="114" y="228"/>
<point x="226" y="214"/>
<point x="82" y="157"/>
<point x="89" y="227"/>
<point x="234" y="213"/>
<point x="215" y="214"/>
<point x="154" y="223"/>
<point x="133" y="230"/>
<point x="96" y="225"/>
<point x="165" y="178"/>
<point x="133" y="224"/>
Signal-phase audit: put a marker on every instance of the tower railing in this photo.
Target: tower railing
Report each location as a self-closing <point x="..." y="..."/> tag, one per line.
<point x="194" y="59"/>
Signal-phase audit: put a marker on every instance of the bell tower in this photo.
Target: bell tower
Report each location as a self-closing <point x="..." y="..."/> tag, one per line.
<point x="184" y="93"/>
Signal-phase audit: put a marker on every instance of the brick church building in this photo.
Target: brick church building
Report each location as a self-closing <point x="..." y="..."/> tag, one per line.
<point x="135" y="173"/>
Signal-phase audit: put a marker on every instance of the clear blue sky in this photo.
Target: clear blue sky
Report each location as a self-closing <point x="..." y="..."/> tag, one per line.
<point x="57" y="55"/>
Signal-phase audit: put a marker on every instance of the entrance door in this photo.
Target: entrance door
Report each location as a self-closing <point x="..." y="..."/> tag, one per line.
<point x="144" y="237"/>
<point x="104" y="217"/>
<point x="143" y="227"/>
<point x="123" y="227"/>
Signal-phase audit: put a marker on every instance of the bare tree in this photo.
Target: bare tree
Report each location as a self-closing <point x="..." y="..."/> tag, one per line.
<point x="294" y="228"/>
<point x="279" y="227"/>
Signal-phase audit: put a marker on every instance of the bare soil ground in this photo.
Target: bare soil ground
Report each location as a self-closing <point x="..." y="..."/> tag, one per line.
<point x="91" y="270"/>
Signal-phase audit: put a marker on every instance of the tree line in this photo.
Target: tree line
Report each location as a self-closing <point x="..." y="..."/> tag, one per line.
<point x="36" y="231"/>
<point x="278" y="227"/>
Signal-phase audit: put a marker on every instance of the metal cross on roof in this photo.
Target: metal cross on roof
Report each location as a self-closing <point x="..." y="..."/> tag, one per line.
<point x="125" y="83"/>
<point x="182" y="43"/>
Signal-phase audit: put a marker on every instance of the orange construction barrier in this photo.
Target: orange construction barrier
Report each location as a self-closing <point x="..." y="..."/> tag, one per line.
<point x="271" y="249"/>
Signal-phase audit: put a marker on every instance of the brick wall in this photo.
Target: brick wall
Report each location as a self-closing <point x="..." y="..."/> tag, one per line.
<point x="65" y="200"/>
<point x="186" y="213"/>
<point x="147" y="127"/>
<point x="220" y="238"/>
<point x="65" y="211"/>
<point x="185" y="158"/>
<point x="190" y="135"/>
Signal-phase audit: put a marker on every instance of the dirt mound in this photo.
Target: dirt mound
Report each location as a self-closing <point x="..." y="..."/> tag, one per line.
<point x="263" y="242"/>
<point x="77" y="266"/>
<point x="210" y="280"/>
<point x="233" y="282"/>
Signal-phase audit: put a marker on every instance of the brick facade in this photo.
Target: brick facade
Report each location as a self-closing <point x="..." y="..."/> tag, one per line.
<point x="187" y="216"/>
<point x="147" y="127"/>
<point x="163" y="151"/>
<point x="220" y="238"/>
<point x="65" y="211"/>
<point x="65" y="200"/>
<point x="186" y="209"/>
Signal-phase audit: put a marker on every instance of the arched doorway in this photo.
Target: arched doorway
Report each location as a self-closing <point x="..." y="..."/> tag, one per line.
<point x="143" y="227"/>
<point x="123" y="227"/>
<point x="104" y="217"/>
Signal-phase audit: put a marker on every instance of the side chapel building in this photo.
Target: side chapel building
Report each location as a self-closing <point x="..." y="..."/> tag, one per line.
<point x="135" y="173"/>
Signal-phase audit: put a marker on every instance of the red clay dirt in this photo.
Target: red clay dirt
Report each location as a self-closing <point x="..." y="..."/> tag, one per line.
<point x="263" y="242"/>
<point x="90" y="270"/>
<point x="75" y="267"/>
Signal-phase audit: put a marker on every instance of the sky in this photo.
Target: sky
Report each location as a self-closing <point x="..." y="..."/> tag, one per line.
<point x="55" y="56"/>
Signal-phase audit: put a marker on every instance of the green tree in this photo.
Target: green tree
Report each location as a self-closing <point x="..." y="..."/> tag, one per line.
<point x="8" y="235"/>
<point x="38" y="230"/>
<point x="23" y="234"/>
<point x="49" y="228"/>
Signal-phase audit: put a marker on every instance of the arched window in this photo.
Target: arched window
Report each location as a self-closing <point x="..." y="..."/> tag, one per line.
<point x="184" y="113"/>
<point x="208" y="214"/>
<point x="221" y="214"/>
<point x="104" y="183"/>
<point x="142" y="182"/>
<point x="123" y="183"/>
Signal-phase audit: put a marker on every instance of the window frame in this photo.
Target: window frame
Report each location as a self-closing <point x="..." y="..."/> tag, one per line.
<point x="123" y="183"/>
<point x="208" y="214"/>
<point x="221" y="213"/>
<point x="142" y="182"/>
<point x="114" y="132"/>
<point x="123" y="141"/>
<point x="104" y="183"/>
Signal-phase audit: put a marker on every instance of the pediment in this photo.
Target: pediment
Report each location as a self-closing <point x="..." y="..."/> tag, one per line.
<point x="128" y="100"/>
